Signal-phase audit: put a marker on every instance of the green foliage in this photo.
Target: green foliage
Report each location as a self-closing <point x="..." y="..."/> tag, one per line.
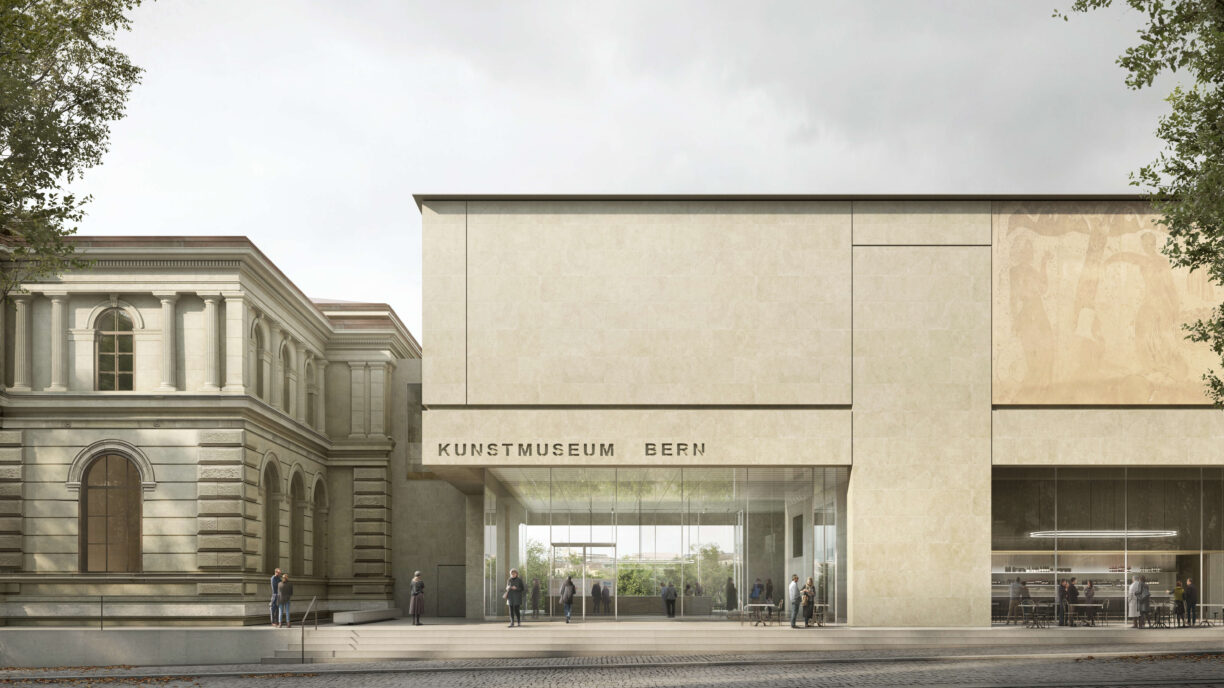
<point x="535" y="566"/>
<point x="1186" y="181"/>
<point x="62" y="83"/>
<point x="635" y="580"/>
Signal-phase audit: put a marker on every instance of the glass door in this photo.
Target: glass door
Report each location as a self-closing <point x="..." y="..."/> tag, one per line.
<point x="592" y="568"/>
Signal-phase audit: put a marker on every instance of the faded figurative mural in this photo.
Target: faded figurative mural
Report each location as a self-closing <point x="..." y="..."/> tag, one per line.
<point x="1088" y="311"/>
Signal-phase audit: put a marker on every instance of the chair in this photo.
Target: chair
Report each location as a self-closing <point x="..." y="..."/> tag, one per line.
<point x="1103" y="614"/>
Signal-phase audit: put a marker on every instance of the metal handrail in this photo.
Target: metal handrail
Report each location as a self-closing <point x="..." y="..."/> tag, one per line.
<point x="303" y="626"/>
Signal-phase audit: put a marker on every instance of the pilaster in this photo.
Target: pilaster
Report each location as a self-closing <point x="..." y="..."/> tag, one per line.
<point x="59" y="342"/>
<point x="235" y="344"/>
<point x="23" y="362"/>
<point x="168" y="300"/>
<point x="224" y="487"/>
<point x="278" y="368"/>
<point x="359" y="374"/>
<point x="371" y="523"/>
<point x="320" y="420"/>
<point x="212" y="379"/>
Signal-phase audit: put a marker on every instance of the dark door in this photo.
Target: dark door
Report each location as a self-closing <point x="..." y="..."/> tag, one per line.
<point x="451" y="582"/>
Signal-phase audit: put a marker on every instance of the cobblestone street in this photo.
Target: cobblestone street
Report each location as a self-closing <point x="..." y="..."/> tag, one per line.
<point x="642" y="672"/>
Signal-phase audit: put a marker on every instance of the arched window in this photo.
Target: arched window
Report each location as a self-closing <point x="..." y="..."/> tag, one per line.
<point x="260" y="390"/>
<point x="297" y="525"/>
<point x="272" y="504"/>
<point x="286" y="382"/>
<point x="110" y="516"/>
<point x="115" y="351"/>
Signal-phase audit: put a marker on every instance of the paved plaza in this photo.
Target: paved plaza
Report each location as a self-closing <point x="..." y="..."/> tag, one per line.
<point x="1197" y="666"/>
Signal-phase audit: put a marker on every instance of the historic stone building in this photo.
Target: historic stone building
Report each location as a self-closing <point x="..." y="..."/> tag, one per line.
<point x="179" y="419"/>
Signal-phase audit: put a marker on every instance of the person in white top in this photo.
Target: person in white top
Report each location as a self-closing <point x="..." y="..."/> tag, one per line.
<point x="792" y="596"/>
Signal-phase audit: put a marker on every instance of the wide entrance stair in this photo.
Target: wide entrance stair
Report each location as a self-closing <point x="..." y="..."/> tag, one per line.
<point x="398" y="640"/>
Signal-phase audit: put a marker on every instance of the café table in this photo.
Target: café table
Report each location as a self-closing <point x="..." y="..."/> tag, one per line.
<point x="1084" y="606"/>
<point x="1204" y="619"/>
<point x="762" y="613"/>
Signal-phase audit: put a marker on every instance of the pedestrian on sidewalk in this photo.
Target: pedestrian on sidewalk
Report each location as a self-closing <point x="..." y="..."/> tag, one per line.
<point x="416" y="604"/>
<point x="792" y="596"/>
<point x="284" y="595"/>
<point x="567" y="596"/>
<point x="272" y="610"/>
<point x="514" y="597"/>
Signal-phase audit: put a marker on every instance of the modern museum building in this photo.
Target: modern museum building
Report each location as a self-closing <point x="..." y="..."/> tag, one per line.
<point x="911" y="400"/>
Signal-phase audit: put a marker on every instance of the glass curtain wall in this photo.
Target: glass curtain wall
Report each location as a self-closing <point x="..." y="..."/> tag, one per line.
<point x="1107" y="525"/>
<point x="715" y="539"/>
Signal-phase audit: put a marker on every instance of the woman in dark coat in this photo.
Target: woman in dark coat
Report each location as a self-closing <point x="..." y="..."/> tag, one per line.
<point x="514" y="597"/>
<point x="416" y="604"/>
<point x="732" y="596"/>
<point x="808" y="596"/>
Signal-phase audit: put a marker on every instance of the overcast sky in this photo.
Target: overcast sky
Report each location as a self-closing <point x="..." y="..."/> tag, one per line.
<point x="307" y="126"/>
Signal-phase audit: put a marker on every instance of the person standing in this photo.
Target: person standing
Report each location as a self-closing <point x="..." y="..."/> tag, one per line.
<point x="669" y="598"/>
<point x="732" y="595"/>
<point x="596" y="597"/>
<point x="1132" y="602"/>
<point x="769" y="598"/>
<point x="567" y="596"/>
<point x="808" y="595"/>
<point x="607" y="598"/>
<point x="514" y="597"/>
<point x="1191" y="599"/>
<point x="1145" y="599"/>
<point x="1013" y="601"/>
<point x="535" y="597"/>
<point x="792" y="598"/>
<point x="284" y="595"/>
<point x="416" y="603"/>
<point x="1090" y="598"/>
<point x="1072" y="598"/>
<point x="1179" y="603"/>
<point x="272" y="610"/>
<point x="1060" y="601"/>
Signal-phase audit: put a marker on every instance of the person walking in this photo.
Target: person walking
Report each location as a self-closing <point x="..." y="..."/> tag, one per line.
<point x="1191" y="599"/>
<point x="1132" y="602"/>
<point x="284" y="595"/>
<point x="272" y="610"/>
<point x="792" y="597"/>
<point x="596" y="597"/>
<point x="1179" y="603"/>
<point x="416" y="603"/>
<point x="1013" y="601"/>
<point x="808" y="594"/>
<point x="732" y="595"/>
<point x="567" y="596"/>
<point x="514" y="597"/>
<point x="669" y="598"/>
<point x="535" y="597"/>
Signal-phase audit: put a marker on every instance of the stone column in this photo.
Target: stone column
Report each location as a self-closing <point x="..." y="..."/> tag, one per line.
<point x="235" y="344"/>
<point x="320" y="419"/>
<point x="299" y="405"/>
<point x="212" y="377"/>
<point x="168" y="299"/>
<point x="277" y="368"/>
<point x="357" y="402"/>
<point x="59" y="343"/>
<point x="23" y="363"/>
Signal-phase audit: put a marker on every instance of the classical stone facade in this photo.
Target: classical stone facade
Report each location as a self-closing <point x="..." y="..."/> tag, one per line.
<point x="932" y="349"/>
<point x="254" y="428"/>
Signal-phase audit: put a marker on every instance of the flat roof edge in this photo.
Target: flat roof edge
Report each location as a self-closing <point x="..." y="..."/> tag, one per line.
<point x="422" y="198"/>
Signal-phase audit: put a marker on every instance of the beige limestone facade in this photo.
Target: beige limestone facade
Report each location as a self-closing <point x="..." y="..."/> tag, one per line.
<point x="258" y="429"/>
<point x="924" y="345"/>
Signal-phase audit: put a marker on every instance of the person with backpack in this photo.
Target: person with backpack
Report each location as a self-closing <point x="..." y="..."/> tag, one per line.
<point x="567" y="596"/>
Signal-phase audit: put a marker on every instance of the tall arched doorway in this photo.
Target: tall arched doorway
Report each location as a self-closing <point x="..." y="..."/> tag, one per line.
<point x="271" y="517"/>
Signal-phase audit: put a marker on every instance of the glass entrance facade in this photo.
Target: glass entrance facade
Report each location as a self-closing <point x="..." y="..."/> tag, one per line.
<point x="720" y="537"/>
<point x="1107" y="525"/>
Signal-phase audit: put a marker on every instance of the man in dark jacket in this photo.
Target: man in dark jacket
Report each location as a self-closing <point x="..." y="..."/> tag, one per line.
<point x="1191" y="599"/>
<point x="272" y="610"/>
<point x="596" y="597"/>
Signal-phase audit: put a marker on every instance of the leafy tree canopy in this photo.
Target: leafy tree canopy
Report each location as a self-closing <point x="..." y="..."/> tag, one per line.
<point x="1186" y="181"/>
<point x="62" y="82"/>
